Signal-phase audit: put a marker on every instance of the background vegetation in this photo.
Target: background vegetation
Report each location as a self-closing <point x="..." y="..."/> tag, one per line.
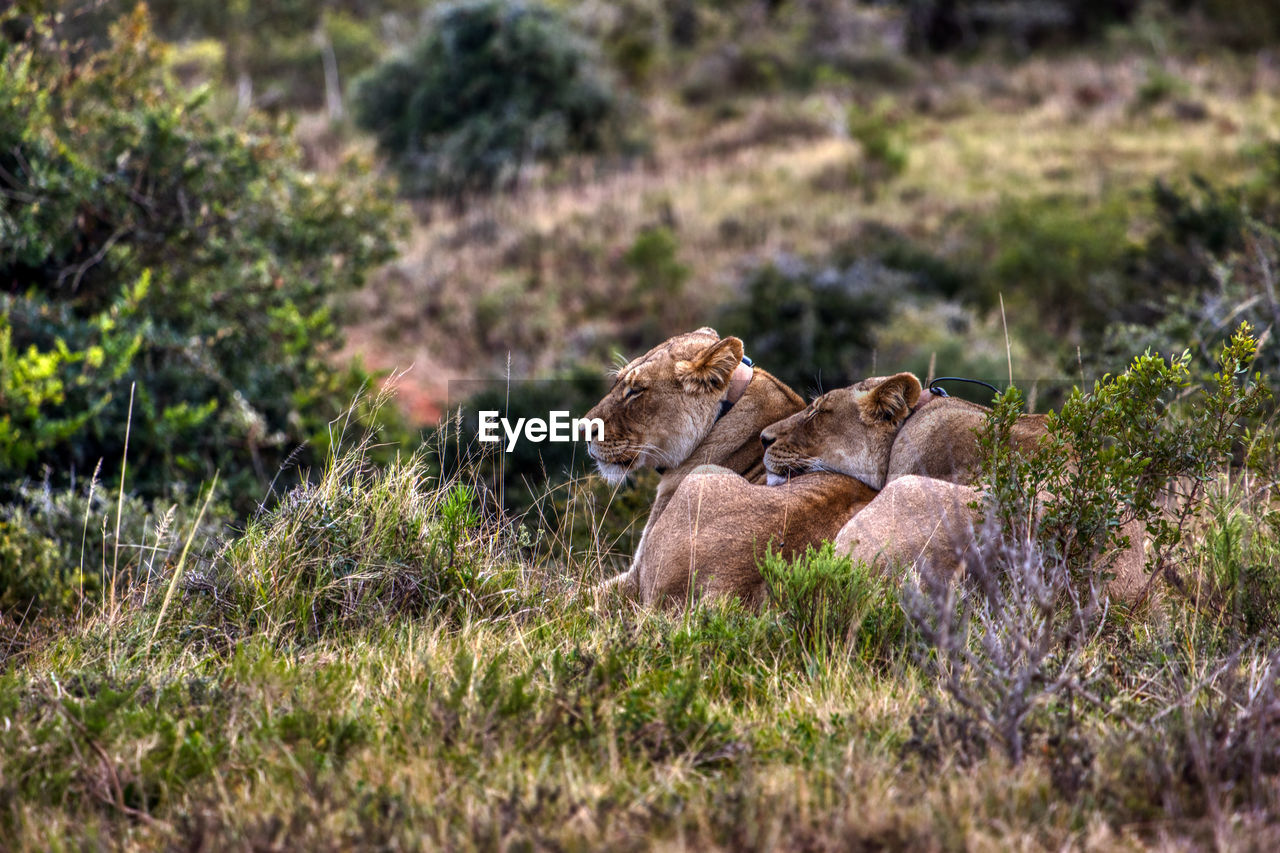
<point x="244" y="603"/>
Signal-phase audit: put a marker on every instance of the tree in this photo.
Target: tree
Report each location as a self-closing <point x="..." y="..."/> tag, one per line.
<point x="110" y="176"/>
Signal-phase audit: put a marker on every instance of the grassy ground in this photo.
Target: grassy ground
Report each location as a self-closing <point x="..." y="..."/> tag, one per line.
<point x="374" y="665"/>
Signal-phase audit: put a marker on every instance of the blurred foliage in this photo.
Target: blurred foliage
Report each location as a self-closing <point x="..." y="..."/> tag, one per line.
<point x="275" y="50"/>
<point x="657" y="296"/>
<point x="34" y="384"/>
<point x="812" y="326"/>
<point x="147" y="244"/>
<point x="491" y="86"/>
<point x="1240" y="24"/>
<point x="31" y="580"/>
<point x="940" y="26"/>
<point x="58" y="545"/>
<point x="884" y="148"/>
<point x="1059" y="264"/>
<point x="1211" y="261"/>
<point x="632" y="35"/>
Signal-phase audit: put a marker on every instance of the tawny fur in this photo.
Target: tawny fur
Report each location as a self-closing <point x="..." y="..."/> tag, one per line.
<point x="718" y="526"/>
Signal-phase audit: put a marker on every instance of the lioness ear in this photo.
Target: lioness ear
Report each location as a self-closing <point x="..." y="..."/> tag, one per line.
<point x="710" y="369"/>
<point x="892" y="399"/>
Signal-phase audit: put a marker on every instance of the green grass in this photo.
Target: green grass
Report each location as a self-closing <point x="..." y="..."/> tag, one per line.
<point x="373" y="664"/>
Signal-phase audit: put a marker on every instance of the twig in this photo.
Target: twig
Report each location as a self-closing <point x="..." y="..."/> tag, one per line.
<point x="112" y="777"/>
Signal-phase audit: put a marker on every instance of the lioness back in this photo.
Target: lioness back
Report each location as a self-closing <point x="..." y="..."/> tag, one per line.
<point x="916" y="522"/>
<point x="718" y="526"/>
<point x="940" y="440"/>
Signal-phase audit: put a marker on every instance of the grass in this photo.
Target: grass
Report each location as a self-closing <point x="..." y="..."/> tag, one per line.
<point x="374" y="664"/>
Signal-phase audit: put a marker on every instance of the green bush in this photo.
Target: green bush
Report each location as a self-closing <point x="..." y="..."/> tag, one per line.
<point x="1209" y="263"/>
<point x="361" y="543"/>
<point x="658" y="292"/>
<point x="491" y="86"/>
<point x="811" y="325"/>
<point x="32" y="582"/>
<point x="1141" y="445"/>
<point x="1241" y="24"/>
<point x="531" y="468"/>
<point x="148" y="244"/>
<point x="94" y="536"/>
<point x="1058" y="262"/>
<point x="884" y="150"/>
<point x="631" y="34"/>
<point x="830" y="605"/>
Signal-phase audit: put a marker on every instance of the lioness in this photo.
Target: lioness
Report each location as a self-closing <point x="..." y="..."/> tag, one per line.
<point x="915" y="519"/>
<point x="717" y="525"/>
<point x="690" y="401"/>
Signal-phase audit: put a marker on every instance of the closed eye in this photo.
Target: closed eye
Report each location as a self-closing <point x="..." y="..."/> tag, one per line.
<point x="632" y="392"/>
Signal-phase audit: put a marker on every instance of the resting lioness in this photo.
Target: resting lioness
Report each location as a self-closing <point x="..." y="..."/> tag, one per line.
<point x="690" y="401"/>
<point x="717" y="526"/>
<point x="915" y="519"/>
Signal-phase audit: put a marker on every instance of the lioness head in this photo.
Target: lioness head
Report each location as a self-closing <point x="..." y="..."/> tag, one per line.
<point x="847" y="431"/>
<point x="664" y="403"/>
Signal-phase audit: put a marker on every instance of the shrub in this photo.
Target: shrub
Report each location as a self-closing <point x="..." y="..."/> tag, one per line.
<point x="1239" y="24"/>
<point x="884" y="150"/>
<point x="1157" y="87"/>
<point x="148" y="244"/>
<point x="1011" y="639"/>
<point x="1209" y="745"/>
<point x="1061" y="263"/>
<point x="1124" y="451"/>
<point x="89" y="548"/>
<point x="808" y="324"/>
<point x="1210" y="263"/>
<point x="1004" y="643"/>
<point x="660" y="278"/>
<point x="515" y="480"/>
<point x="830" y="605"/>
<point x="31" y="580"/>
<point x="493" y="85"/>
<point x="631" y="34"/>
<point x="359" y="544"/>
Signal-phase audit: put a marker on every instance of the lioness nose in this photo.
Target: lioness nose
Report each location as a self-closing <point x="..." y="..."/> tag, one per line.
<point x="767" y="439"/>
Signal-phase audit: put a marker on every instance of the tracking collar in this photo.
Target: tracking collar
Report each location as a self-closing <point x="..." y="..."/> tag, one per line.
<point x="738" y="383"/>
